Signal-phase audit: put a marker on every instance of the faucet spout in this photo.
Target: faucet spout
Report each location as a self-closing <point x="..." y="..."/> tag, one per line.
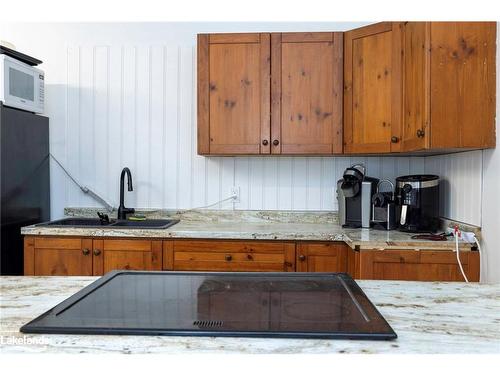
<point x="122" y="210"/>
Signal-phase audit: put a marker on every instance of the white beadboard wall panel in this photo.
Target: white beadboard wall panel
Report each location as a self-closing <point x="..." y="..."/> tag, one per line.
<point x="125" y="95"/>
<point x="461" y="184"/>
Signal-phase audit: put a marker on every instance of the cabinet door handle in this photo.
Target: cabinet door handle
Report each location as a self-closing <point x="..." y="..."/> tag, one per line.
<point x="276" y="142"/>
<point x="97" y="252"/>
<point x="86" y="251"/>
<point x="228" y="258"/>
<point x="249" y="257"/>
<point x="420" y="133"/>
<point x="265" y="142"/>
<point x="302" y="257"/>
<point x="394" y="139"/>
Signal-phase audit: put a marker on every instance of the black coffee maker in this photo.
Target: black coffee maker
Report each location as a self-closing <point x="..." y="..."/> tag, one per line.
<point x="354" y="194"/>
<point x="417" y="200"/>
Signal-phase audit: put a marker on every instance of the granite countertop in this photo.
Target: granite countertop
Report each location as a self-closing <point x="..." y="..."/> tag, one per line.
<point x="435" y="317"/>
<point x="248" y="225"/>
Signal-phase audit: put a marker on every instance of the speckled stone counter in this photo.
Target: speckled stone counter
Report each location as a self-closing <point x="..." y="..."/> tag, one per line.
<point x="251" y="225"/>
<point x="428" y="318"/>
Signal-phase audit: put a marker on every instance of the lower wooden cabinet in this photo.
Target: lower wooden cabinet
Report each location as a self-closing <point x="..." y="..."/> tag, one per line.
<point x="423" y="265"/>
<point x="111" y="255"/>
<point x="73" y="256"/>
<point x="51" y="256"/>
<point x="221" y="255"/>
<point x="70" y="256"/>
<point x="321" y="257"/>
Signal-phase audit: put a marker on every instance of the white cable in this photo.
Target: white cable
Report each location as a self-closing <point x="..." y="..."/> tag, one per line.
<point x="85" y="189"/>
<point x="234" y="196"/>
<point x="480" y="259"/>
<point x="458" y="256"/>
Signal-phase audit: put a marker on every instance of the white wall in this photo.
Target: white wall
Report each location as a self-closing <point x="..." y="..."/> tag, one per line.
<point x="124" y="95"/>
<point x="491" y="199"/>
<point x="460" y="186"/>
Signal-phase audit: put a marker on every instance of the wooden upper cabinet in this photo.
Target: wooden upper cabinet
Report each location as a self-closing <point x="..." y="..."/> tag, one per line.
<point x="416" y="97"/>
<point x="404" y="87"/>
<point x="245" y="108"/>
<point x="233" y="94"/>
<point x="419" y="86"/>
<point x="462" y="84"/>
<point x="306" y="93"/>
<point x="449" y="85"/>
<point x="372" y="89"/>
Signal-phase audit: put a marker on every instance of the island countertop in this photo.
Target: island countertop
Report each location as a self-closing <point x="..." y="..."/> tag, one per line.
<point x="429" y="317"/>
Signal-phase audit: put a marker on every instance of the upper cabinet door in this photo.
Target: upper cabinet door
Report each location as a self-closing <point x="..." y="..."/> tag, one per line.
<point x="463" y="84"/>
<point x="233" y="94"/>
<point x="306" y="93"/>
<point x="416" y="80"/>
<point x="372" y="88"/>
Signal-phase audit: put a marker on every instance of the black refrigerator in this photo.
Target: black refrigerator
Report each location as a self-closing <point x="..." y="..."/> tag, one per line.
<point x="25" y="183"/>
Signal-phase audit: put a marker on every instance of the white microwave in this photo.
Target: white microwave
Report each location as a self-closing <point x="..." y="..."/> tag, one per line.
<point x="21" y="85"/>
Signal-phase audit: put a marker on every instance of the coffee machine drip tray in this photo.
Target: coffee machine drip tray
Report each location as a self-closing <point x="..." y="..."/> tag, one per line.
<point x="291" y="305"/>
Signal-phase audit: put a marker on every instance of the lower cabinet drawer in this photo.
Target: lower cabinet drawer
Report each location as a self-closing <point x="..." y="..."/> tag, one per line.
<point x="228" y="256"/>
<point x="411" y="265"/>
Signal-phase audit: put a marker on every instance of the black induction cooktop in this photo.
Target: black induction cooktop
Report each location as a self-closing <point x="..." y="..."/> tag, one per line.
<point x="291" y="305"/>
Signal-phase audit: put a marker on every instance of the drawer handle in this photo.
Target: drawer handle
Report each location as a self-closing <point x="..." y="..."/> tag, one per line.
<point x="97" y="252"/>
<point x="229" y="258"/>
<point x="86" y="251"/>
<point x="249" y="257"/>
<point x="302" y="257"/>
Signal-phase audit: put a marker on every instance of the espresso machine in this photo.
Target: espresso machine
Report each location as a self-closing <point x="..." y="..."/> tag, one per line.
<point x="354" y="195"/>
<point x="384" y="207"/>
<point x="417" y="199"/>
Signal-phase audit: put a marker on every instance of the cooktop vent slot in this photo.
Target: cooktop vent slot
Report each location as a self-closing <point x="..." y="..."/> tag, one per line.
<point x="208" y="323"/>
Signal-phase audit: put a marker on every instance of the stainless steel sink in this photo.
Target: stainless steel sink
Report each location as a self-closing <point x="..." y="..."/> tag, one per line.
<point x="80" y="222"/>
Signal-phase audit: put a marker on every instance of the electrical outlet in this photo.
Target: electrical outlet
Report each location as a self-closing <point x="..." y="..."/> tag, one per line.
<point x="235" y="192"/>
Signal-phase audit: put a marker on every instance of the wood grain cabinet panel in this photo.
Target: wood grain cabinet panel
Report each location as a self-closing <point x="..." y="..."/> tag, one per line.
<point x="70" y="256"/>
<point x="219" y="255"/>
<point x="462" y="84"/>
<point x="58" y="257"/>
<point x="109" y="255"/>
<point x="322" y="257"/>
<point x="233" y="94"/>
<point x="372" y="88"/>
<point x="420" y="86"/>
<point x="414" y="265"/>
<point x="306" y="93"/>
<point x="416" y="96"/>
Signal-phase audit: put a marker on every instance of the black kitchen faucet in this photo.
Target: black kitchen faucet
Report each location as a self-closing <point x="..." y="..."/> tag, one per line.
<point x="122" y="210"/>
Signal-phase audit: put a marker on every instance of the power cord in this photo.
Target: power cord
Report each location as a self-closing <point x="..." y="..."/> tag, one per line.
<point x="457" y="234"/>
<point x="471" y="238"/>
<point x="84" y="189"/>
<point x="110" y="208"/>
<point x="232" y="197"/>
